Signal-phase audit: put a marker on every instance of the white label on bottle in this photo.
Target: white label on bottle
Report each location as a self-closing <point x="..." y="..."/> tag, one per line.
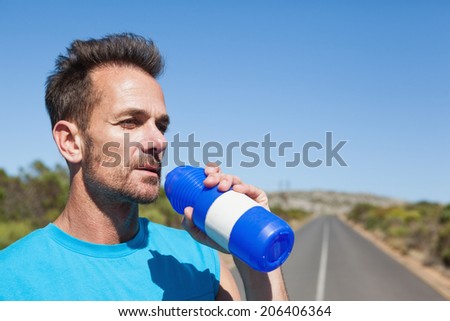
<point x="223" y="213"/>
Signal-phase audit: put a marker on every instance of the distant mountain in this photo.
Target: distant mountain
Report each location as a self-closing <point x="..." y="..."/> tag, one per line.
<point x="327" y="202"/>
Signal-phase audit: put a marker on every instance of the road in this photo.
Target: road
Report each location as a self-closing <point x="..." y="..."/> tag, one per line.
<point x="332" y="262"/>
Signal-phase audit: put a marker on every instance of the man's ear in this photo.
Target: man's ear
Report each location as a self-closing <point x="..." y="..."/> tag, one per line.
<point x="68" y="139"/>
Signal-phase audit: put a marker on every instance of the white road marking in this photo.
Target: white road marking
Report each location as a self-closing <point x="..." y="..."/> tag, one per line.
<point x="320" y="290"/>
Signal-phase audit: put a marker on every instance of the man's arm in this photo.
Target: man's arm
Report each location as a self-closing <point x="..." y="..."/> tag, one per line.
<point x="261" y="285"/>
<point x="228" y="289"/>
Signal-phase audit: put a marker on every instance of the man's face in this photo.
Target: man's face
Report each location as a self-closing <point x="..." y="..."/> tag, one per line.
<point x="125" y="141"/>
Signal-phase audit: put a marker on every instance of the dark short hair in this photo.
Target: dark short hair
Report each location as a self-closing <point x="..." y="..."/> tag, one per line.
<point x="69" y="92"/>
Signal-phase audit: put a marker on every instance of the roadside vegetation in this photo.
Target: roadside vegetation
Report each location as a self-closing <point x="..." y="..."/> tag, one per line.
<point x="422" y="228"/>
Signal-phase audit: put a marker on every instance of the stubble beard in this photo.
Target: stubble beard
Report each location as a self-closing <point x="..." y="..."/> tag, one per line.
<point x="116" y="184"/>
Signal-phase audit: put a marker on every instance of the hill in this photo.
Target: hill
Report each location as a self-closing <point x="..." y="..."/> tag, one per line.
<point x="327" y="202"/>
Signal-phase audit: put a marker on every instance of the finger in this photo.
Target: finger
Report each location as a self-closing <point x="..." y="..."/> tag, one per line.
<point x="254" y="193"/>
<point x="187" y="222"/>
<point x="189" y="226"/>
<point x="236" y="180"/>
<point x="225" y="183"/>
<point x="188" y="211"/>
<point x="248" y="190"/>
<point x="212" y="168"/>
<point x="212" y="180"/>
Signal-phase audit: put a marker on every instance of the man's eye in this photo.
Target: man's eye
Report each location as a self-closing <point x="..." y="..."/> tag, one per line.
<point x="162" y="127"/>
<point x="128" y="123"/>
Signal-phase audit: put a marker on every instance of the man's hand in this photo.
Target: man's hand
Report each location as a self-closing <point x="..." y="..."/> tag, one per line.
<point x="225" y="181"/>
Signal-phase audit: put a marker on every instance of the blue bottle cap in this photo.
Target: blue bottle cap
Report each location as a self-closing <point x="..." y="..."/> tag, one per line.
<point x="261" y="239"/>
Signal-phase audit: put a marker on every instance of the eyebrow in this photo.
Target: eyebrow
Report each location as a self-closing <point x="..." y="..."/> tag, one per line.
<point x="131" y="112"/>
<point x="141" y="112"/>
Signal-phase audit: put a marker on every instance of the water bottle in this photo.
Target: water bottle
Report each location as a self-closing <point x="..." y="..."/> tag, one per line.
<point x="233" y="220"/>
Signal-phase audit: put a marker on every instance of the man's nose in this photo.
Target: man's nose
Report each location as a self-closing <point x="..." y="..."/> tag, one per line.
<point x="155" y="141"/>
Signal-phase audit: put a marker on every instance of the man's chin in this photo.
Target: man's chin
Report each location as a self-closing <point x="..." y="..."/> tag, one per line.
<point x="149" y="191"/>
<point x="147" y="200"/>
<point x="142" y="197"/>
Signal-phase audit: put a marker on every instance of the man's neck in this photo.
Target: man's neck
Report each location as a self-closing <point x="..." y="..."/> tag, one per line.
<point x="101" y="222"/>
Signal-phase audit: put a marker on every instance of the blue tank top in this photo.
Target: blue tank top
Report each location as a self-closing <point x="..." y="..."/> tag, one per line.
<point x="159" y="263"/>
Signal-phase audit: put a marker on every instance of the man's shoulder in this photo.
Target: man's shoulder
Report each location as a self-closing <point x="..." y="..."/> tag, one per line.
<point x="23" y="248"/>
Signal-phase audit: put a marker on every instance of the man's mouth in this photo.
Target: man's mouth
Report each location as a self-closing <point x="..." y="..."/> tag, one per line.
<point x="151" y="169"/>
<point x="149" y="165"/>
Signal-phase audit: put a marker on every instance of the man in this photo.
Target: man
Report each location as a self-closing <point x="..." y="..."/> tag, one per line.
<point x="99" y="248"/>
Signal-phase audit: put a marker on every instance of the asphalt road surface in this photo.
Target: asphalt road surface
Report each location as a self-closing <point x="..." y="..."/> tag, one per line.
<point x="332" y="262"/>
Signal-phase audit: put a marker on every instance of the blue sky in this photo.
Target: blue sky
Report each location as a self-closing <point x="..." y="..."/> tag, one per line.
<point x="374" y="73"/>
